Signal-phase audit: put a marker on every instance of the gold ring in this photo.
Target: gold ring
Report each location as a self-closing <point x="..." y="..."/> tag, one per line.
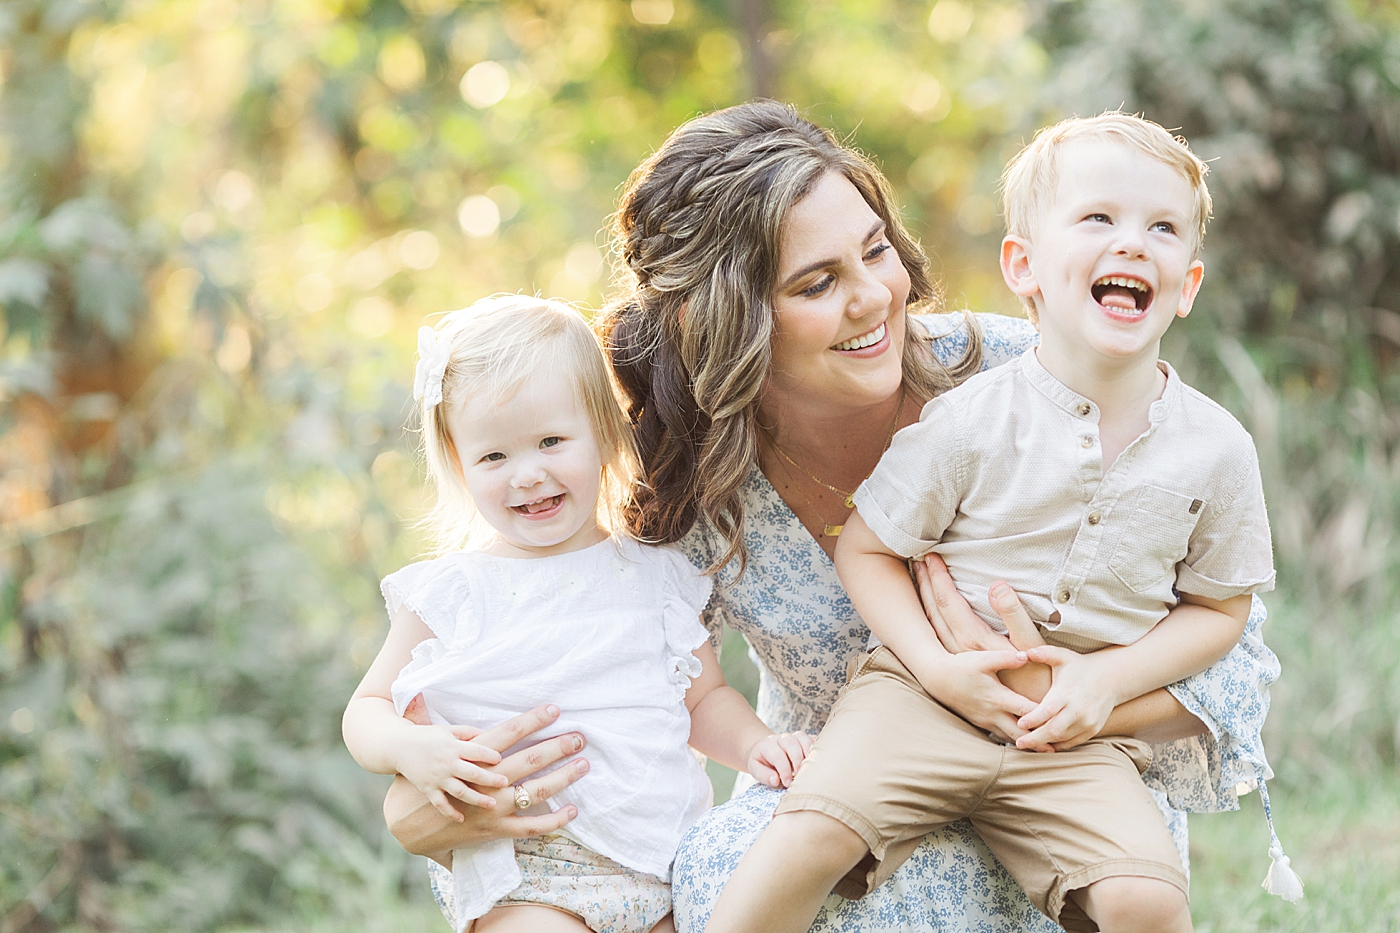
<point x="522" y="797"/>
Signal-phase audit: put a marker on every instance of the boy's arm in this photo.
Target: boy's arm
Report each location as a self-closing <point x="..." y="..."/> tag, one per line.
<point x="724" y="727"/>
<point x="878" y="582"/>
<point x="1087" y="687"/>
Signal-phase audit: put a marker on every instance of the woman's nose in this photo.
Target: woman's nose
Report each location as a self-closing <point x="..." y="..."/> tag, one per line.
<point x="870" y="295"/>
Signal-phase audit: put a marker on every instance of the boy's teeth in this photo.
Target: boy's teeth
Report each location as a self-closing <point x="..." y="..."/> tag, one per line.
<point x="865" y="340"/>
<point x="1123" y="281"/>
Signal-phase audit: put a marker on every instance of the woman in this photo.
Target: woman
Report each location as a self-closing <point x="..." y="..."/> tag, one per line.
<point x="767" y="358"/>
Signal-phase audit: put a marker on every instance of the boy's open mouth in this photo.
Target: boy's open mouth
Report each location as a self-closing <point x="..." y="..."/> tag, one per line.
<point x="539" y="505"/>
<point x="1121" y="293"/>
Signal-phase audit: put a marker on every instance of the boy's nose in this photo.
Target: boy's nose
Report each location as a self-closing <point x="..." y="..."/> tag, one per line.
<point x="1131" y="243"/>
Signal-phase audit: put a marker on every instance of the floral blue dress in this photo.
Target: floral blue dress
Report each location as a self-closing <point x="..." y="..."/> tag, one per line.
<point x="802" y="630"/>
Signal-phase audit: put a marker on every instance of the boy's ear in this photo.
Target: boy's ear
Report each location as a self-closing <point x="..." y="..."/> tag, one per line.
<point x="1016" y="266"/>
<point x="1195" y="274"/>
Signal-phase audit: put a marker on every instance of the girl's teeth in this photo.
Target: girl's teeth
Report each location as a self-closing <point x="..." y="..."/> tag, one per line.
<point x="865" y="340"/>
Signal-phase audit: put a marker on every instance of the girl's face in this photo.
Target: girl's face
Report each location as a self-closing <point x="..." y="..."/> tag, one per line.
<point x="532" y="466"/>
<point x="839" y="302"/>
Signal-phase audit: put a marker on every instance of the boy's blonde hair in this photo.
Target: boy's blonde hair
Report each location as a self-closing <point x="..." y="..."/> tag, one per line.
<point x="497" y="344"/>
<point x="1029" y="182"/>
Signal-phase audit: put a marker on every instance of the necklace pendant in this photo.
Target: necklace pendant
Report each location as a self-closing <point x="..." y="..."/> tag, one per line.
<point x="851" y="501"/>
<point x="831" y="531"/>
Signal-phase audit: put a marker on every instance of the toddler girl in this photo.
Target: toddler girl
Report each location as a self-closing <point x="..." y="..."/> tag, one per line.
<point x="531" y="458"/>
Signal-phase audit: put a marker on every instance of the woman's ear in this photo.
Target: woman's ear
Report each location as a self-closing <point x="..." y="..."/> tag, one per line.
<point x="1016" y="266"/>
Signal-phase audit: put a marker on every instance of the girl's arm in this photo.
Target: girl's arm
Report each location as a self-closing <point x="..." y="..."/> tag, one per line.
<point x="438" y="760"/>
<point x="724" y="727"/>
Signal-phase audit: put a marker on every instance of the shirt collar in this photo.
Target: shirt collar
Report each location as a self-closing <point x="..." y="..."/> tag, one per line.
<point x="1072" y="402"/>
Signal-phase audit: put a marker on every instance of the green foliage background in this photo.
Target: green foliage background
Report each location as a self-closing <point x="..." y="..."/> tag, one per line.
<point x="221" y="223"/>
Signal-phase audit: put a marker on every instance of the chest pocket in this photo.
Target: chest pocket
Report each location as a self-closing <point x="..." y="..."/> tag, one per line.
<point x="1154" y="539"/>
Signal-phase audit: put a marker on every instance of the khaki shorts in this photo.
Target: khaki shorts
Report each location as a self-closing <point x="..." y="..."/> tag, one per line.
<point x="894" y="765"/>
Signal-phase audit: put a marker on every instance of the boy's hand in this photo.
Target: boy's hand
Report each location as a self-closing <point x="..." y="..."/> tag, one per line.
<point x="440" y="760"/>
<point x="1082" y="694"/>
<point x="774" y="760"/>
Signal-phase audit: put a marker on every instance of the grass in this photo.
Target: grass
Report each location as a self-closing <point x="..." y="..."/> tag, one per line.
<point x="1344" y="841"/>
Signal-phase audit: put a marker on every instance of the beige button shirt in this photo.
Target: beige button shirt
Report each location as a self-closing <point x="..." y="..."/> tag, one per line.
<point x="1003" y="477"/>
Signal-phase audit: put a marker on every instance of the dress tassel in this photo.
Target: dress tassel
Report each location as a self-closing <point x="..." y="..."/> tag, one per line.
<point x="1281" y="880"/>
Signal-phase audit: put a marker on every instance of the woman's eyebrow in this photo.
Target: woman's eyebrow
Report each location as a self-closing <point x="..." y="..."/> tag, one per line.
<point x="823" y="263"/>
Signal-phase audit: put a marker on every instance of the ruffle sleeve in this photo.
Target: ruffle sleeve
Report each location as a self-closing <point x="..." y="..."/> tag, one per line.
<point x="1003" y="337"/>
<point x="686" y="592"/>
<point x="439" y="592"/>
<point x="1204" y="773"/>
<point x="698" y="546"/>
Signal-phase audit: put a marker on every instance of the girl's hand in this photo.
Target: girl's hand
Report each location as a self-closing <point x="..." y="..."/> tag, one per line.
<point x="774" y="760"/>
<point x="1081" y="697"/>
<point x="422" y="830"/>
<point x="441" y="760"/>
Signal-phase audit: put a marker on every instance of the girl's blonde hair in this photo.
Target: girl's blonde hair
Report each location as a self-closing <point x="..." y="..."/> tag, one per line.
<point x="699" y="232"/>
<point x="496" y="345"/>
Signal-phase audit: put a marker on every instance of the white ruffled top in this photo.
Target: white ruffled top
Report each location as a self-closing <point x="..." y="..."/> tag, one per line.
<point x="605" y="633"/>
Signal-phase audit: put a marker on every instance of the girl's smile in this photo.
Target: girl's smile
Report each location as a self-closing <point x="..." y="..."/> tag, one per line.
<point x="532" y="466"/>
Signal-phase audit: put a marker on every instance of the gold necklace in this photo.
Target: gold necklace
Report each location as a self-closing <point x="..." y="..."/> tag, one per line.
<point x="832" y="531"/>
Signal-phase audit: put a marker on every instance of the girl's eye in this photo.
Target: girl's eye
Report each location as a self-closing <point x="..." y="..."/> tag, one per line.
<point x="550" y="441"/>
<point x="1099" y="218"/>
<point x="877" y="252"/>
<point x="493" y="457"/>
<point x="821" y="285"/>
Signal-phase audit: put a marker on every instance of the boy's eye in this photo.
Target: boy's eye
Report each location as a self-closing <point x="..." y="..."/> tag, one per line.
<point x="877" y="252"/>
<point x="1163" y="226"/>
<point x="494" y="457"/>
<point x="821" y="285"/>
<point x="550" y="441"/>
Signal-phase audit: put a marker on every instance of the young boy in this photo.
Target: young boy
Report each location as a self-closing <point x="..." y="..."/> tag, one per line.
<point x="1104" y="491"/>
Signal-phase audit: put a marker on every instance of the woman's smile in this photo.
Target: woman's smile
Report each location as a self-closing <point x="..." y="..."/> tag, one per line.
<point x="873" y="339"/>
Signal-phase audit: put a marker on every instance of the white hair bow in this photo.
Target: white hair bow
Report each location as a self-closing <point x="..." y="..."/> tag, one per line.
<point x="433" y="354"/>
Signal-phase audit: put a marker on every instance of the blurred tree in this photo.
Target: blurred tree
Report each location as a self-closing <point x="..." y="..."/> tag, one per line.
<point x="222" y="221"/>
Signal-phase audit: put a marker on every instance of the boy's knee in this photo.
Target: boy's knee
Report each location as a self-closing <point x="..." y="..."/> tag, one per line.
<point x="1136" y="904"/>
<point x="821" y="838"/>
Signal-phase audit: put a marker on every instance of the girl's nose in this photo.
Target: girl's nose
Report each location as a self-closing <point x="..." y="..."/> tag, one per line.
<point x="528" y="472"/>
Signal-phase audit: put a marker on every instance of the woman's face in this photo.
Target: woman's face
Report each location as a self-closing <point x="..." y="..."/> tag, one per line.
<point x="839" y="325"/>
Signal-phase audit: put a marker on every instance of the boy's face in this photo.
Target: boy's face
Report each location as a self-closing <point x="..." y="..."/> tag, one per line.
<point x="1109" y="262"/>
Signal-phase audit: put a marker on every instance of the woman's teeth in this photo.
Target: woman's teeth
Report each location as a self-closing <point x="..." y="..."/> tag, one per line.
<point x="864" y="340"/>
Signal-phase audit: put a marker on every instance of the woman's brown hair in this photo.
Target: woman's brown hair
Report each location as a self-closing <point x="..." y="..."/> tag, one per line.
<point x="698" y="233"/>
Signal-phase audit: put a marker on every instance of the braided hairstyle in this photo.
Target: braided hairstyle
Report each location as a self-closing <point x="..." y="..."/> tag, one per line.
<point x="698" y="233"/>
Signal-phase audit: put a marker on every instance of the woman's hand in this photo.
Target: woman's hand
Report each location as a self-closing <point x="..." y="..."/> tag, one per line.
<point x="774" y="760"/>
<point x="422" y="830"/>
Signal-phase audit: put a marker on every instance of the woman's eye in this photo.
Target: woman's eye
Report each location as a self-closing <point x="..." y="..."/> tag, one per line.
<point x="816" y="288"/>
<point x="494" y="457"/>
<point x="550" y="441"/>
<point x="877" y="252"/>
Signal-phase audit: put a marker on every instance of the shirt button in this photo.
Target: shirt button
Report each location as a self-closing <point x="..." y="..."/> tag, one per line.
<point x="1084" y="409"/>
<point x="1086" y="441"/>
<point x="1063" y="596"/>
<point x="1094" y="518"/>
